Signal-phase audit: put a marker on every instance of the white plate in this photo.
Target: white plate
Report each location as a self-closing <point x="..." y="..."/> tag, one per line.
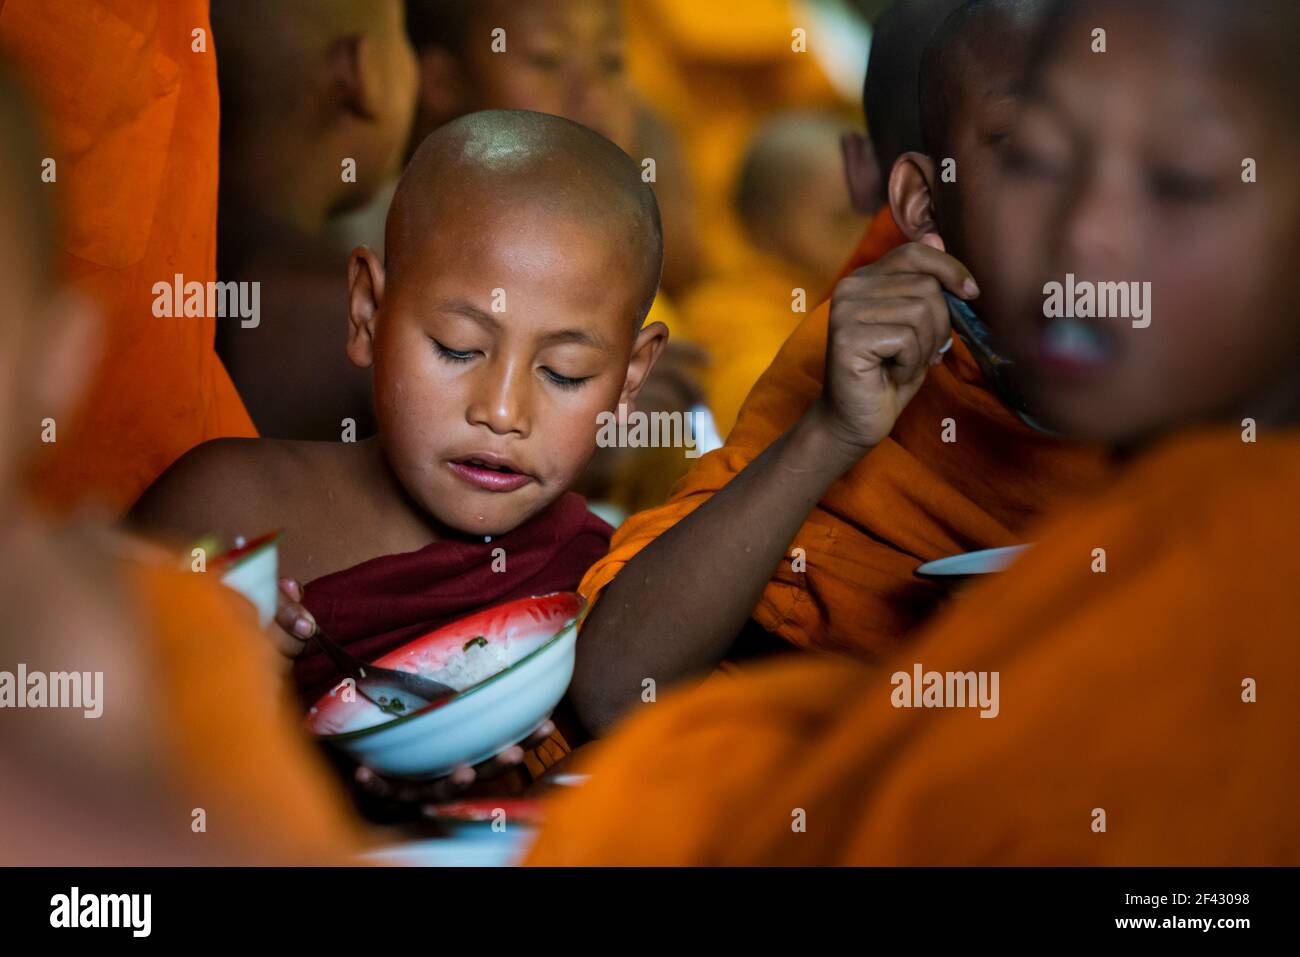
<point x="973" y="563"/>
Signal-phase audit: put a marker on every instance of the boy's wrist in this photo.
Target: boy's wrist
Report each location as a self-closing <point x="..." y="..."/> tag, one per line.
<point x="817" y="446"/>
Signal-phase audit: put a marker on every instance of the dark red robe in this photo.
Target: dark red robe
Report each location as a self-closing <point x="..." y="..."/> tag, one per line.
<point x="380" y="604"/>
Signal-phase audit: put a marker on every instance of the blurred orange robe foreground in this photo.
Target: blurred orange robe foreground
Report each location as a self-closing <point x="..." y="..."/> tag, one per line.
<point x="131" y="112"/>
<point x="238" y="747"/>
<point x="1123" y="693"/>
<point x="912" y="499"/>
<point x="196" y="758"/>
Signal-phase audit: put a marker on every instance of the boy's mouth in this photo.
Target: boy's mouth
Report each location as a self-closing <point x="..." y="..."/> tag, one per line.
<point x="1074" y="348"/>
<point x="489" y="472"/>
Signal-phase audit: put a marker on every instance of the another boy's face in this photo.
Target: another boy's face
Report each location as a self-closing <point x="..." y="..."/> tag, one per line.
<point x="988" y="104"/>
<point x="391" y="78"/>
<point x="495" y="350"/>
<point x="564" y="57"/>
<point x="1127" y="167"/>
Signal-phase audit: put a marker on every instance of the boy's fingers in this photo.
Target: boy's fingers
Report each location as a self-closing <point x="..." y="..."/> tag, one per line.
<point x="295" y="619"/>
<point x="934" y="240"/>
<point x="291" y="589"/>
<point x="450" y="786"/>
<point x="898" y="350"/>
<point x="926" y="258"/>
<point x="869" y="330"/>
<point x="507" y="759"/>
<point x="543" y="731"/>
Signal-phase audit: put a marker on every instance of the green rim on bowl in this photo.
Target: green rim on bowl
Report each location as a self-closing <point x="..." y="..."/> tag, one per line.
<point x="572" y="623"/>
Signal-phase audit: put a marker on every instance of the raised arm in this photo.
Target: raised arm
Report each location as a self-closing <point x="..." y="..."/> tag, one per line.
<point x="675" y="608"/>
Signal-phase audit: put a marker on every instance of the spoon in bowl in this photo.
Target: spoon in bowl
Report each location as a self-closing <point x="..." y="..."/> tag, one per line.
<point x="393" y="692"/>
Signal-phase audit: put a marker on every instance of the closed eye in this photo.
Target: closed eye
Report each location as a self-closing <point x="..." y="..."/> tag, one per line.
<point x="564" y="381"/>
<point x="452" y="355"/>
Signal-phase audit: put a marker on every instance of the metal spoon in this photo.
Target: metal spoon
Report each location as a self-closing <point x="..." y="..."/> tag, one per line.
<point x="996" y="367"/>
<point x="392" y="691"/>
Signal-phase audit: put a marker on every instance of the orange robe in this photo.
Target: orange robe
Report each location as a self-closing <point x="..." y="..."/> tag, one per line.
<point x="131" y="113"/>
<point x="1123" y="692"/>
<point x="196" y="756"/>
<point x="913" y="498"/>
<point x="233" y="742"/>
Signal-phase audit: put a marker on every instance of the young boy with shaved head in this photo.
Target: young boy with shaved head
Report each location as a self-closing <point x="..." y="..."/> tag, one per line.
<point x="522" y="254"/>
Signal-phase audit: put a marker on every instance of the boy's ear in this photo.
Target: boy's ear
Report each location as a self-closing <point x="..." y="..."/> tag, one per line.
<point x="647" y="348"/>
<point x="912" y="195"/>
<point x="355" y="76"/>
<point x="365" y="298"/>
<point x="862" y="173"/>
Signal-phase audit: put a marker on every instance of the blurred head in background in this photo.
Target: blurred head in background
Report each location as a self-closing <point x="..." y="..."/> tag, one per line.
<point x="564" y="57"/>
<point x="792" y="196"/>
<point x="306" y="85"/>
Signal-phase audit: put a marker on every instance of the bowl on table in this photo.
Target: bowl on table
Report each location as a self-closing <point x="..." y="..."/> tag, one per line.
<point x="510" y="664"/>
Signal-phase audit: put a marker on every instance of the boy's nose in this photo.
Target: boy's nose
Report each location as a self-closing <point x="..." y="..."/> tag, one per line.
<point x="500" y="401"/>
<point x="1095" y="235"/>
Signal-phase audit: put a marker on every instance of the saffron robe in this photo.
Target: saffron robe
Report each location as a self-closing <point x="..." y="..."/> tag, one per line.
<point x="131" y="114"/>
<point x="1147" y="713"/>
<point x="915" y="497"/>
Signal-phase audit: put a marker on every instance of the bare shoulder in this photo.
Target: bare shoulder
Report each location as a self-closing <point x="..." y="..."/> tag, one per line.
<point x="224" y="487"/>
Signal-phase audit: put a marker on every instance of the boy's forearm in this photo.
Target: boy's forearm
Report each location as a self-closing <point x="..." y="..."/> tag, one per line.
<point x="675" y="608"/>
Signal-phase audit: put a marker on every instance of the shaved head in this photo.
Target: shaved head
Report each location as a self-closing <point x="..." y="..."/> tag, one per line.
<point x="516" y="159"/>
<point x="975" y="36"/>
<point x="890" y="92"/>
<point x="785" y="150"/>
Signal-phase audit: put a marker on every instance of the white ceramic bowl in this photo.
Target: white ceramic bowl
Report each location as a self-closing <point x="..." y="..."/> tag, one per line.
<point x="251" y="570"/>
<point x="478" y="722"/>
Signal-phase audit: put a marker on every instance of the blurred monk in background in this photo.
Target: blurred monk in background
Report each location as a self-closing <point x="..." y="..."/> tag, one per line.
<point x="799" y="216"/>
<point x="1148" y="677"/>
<point x="714" y="71"/>
<point x="317" y="98"/>
<point x="180" y="747"/>
<point x="130" y="104"/>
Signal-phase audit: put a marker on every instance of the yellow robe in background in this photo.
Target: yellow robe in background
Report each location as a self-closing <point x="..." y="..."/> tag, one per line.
<point x="742" y="319"/>
<point x="714" y="71"/>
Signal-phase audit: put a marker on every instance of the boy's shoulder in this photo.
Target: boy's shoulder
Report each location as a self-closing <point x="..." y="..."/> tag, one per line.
<point x="232" y="486"/>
